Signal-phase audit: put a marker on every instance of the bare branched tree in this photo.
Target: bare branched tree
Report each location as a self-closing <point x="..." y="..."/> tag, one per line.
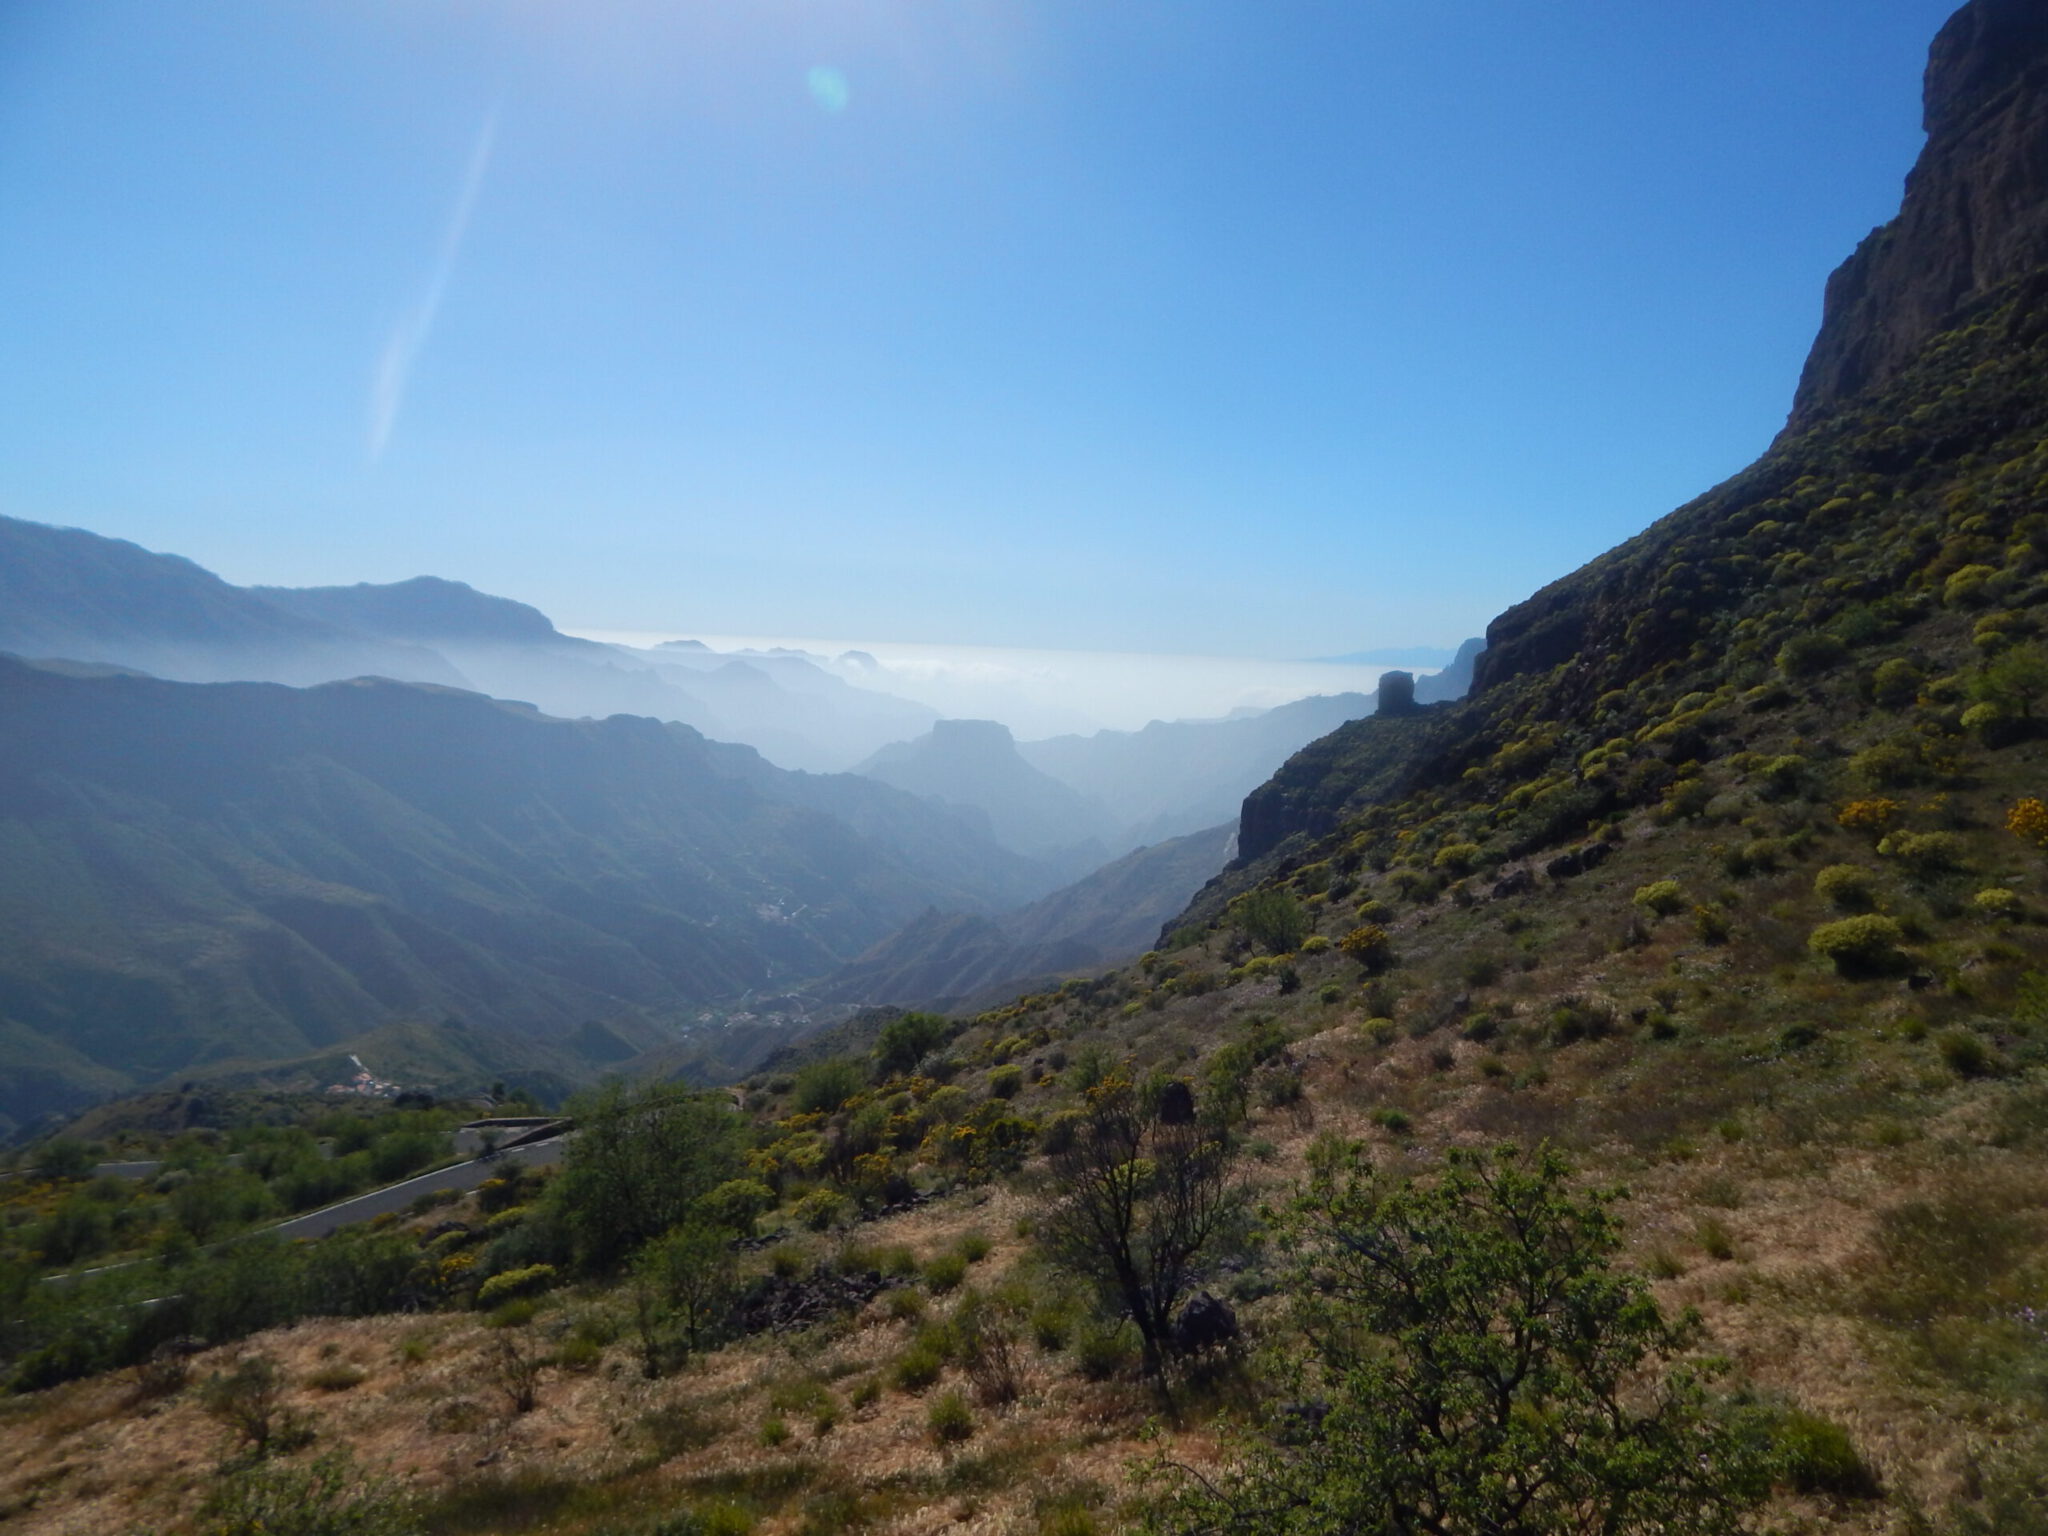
<point x="1141" y="1196"/>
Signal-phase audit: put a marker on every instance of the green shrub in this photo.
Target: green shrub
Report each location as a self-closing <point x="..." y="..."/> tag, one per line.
<point x="1998" y="902"/>
<point x="823" y="1086"/>
<point x="821" y="1210"/>
<point x="945" y="1271"/>
<point x="1924" y="853"/>
<point x="1662" y="897"/>
<point x="974" y="1247"/>
<point x="1866" y="943"/>
<point x="1809" y="655"/>
<point x="1710" y="924"/>
<point x="917" y="1368"/>
<point x="516" y="1283"/>
<point x="1714" y="1238"/>
<point x="1888" y="765"/>
<point x="336" y="1376"/>
<point x="1069" y="1517"/>
<point x="1817" y="1456"/>
<point x="1051" y="1323"/>
<point x="327" y="1497"/>
<point x="1370" y="945"/>
<point x="949" y="1419"/>
<point x="1845" y="887"/>
<point x="249" y="1400"/>
<point x="1006" y="1082"/>
<point x="737" y="1204"/>
<point x="904" y="1042"/>
<point x="1101" y="1352"/>
<point x="1456" y="858"/>
<point x="1966" y="1054"/>
<point x="1970" y="587"/>
<point x="1895" y="684"/>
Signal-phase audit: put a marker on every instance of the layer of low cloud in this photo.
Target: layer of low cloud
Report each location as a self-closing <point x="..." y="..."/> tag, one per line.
<point x="1045" y="693"/>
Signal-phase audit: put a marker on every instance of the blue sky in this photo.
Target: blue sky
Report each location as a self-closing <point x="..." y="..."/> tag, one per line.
<point x="1251" y="327"/>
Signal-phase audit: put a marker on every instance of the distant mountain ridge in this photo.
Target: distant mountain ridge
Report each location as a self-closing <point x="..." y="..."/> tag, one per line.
<point x="203" y="874"/>
<point x="976" y="763"/>
<point x="956" y="960"/>
<point x="69" y="594"/>
<point x="1175" y="777"/>
<point x="66" y="593"/>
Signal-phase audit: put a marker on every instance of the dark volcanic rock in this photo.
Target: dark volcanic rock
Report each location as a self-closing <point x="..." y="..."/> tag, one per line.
<point x="1515" y="883"/>
<point x="1204" y="1323"/>
<point x="1975" y="212"/>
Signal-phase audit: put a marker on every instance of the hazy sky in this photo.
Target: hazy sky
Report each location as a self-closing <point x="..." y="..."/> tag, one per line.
<point x="1262" y="327"/>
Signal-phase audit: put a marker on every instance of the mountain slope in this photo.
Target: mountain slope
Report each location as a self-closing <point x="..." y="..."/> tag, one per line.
<point x="976" y="764"/>
<point x="798" y="715"/>
<point x="1175" y="776"/>
<point x="948" y="960"/>
<point x="68" y="593"/>
<point x="197" y="874"/>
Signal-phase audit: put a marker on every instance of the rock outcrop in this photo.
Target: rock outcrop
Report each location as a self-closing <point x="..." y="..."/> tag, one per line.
<point x="1975" y="214"/>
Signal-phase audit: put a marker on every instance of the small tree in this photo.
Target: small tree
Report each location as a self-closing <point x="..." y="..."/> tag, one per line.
<point x="514" y="1367"/>
<point x="684" y="1284"/>
<point x="250" y="1401"/>
<point x="1139" y="1199"/>
<point x="1480" y="1368"/>
<point x="637" y="1166"/>
<point x="906" y="1041"/>
<point x="2013" y="680"/>
<point x="1271" y="918"/>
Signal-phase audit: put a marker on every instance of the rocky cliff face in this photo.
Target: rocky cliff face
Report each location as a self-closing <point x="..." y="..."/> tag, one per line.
<point x="1975" y="214"/>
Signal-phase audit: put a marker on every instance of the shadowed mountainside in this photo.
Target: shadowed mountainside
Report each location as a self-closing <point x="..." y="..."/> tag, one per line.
<point x="199" y="874"/>
<point x="957" y="960"/>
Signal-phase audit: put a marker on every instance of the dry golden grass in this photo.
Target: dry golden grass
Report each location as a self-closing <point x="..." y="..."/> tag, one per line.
<point x="93" y="1457"/>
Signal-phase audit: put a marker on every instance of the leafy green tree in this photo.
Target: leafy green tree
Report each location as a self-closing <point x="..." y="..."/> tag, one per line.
<point x="2013" y="680"/>
<point x="684" y="1286"/>
<point x="1480" y="1369"/>
<point x="822" y="1086"/>
<point x="637" y="1165"/>
<point x="906" y="1041"/>
<point x="65" y="1157"/>
<point x="1271" y="918"/>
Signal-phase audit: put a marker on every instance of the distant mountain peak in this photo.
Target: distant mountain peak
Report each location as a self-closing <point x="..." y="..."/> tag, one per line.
<point x="972" y="733"/>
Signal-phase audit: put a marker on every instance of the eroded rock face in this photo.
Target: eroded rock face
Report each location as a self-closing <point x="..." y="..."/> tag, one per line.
<point x="1975" y="213"/>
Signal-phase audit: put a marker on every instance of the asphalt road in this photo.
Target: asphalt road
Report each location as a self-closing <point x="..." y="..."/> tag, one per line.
<point x="396" y="1197"/>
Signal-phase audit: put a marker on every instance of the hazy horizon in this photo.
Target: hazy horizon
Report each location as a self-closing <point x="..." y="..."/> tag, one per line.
<point x="1041" y="692"/>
